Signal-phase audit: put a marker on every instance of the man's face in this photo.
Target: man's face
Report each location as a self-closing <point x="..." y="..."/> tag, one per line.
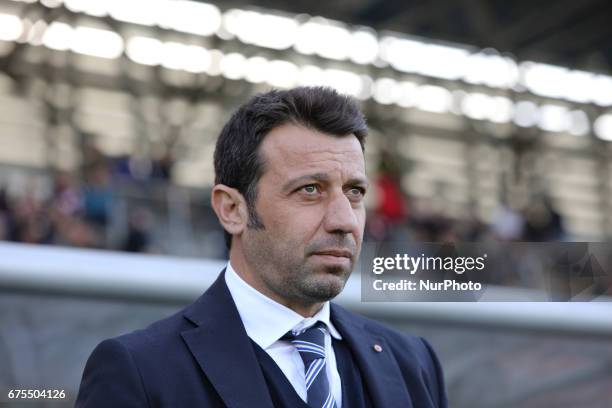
<point x="310" y="201"/>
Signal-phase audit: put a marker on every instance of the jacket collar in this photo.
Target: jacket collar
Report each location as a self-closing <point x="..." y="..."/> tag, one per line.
<point x="223" y="350"/>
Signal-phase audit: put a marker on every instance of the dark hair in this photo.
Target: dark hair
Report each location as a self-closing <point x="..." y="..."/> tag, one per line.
<point x="237" y="162"/>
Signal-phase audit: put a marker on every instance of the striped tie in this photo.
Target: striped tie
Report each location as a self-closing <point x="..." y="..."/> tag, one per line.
<point x="310" y="343"/>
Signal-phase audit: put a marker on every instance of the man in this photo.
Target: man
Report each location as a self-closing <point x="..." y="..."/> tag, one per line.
<point x="289" y="190"/>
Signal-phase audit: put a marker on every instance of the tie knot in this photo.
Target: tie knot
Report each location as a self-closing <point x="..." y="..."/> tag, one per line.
<point x="311" y="338"/>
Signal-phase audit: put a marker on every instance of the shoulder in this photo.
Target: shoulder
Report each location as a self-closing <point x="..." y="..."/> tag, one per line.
<point x="159" y="335"/>
<point x="127" y="370"/>
<point x="162" y="340"/>
<point x="413" y="354"/>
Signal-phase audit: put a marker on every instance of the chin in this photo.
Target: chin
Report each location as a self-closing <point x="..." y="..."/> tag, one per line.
<point x="327" y="287"/>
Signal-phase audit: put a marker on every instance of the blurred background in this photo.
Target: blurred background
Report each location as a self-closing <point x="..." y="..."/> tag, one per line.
<point x="489" y="120"/>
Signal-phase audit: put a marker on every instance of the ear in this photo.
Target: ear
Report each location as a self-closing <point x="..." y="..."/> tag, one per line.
<point x="230" y="207"/>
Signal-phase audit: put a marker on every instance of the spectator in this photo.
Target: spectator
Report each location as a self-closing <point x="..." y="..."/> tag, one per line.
<point x="98" y="195"/>
<point x="138" y="238"/>
<point x="542" y="221"/>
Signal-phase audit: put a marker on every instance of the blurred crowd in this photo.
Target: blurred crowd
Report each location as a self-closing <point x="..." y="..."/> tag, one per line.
<point x="397" y="216"/>
<point x="79" y="208"/>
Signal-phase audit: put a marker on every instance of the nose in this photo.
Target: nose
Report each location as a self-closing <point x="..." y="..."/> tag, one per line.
<point x="341" y="217"/>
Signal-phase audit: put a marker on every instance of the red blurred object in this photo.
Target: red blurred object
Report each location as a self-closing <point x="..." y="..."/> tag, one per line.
<point x="391" y="202"/>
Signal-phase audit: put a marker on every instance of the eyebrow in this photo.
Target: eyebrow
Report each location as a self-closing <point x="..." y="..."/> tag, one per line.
<point x="323" y="178"/>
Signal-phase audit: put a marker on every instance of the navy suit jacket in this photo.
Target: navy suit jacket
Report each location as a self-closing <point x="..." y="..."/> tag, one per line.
<point x="202" y="357"/>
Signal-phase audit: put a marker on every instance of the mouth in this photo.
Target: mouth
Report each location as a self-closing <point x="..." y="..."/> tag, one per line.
<point x="338" y="253"/>
<point x="335" y="258"/>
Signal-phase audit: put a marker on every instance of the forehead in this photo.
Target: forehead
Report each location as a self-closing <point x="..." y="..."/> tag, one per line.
<point x="291" y="150"/>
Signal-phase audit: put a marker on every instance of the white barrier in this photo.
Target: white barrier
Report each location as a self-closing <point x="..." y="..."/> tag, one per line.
<point x="106" y="274"/>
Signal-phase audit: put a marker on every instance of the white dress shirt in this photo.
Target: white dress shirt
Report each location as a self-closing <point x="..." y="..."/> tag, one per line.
<point x="266" y="321"/>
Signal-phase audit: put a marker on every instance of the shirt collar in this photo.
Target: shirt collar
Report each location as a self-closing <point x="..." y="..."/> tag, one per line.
<point x="266" y="320"/>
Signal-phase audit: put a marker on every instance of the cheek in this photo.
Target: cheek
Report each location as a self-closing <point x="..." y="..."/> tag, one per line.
<point x="301" y="226"/>
<point x="296" y="230"/>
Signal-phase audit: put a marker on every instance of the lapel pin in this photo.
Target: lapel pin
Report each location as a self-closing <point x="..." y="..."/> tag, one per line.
<point x="377" y="348"/>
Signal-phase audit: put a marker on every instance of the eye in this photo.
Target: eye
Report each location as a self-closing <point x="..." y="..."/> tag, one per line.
<point x="310" y="189"/>
<point x="356" y="193"/>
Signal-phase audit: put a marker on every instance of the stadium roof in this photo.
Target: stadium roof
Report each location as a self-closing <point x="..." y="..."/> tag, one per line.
<point x="571" y="33"/>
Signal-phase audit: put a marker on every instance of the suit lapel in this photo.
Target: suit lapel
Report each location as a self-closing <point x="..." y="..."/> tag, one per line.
<point x="379" y="370"/>
<point x="223" y="350"/>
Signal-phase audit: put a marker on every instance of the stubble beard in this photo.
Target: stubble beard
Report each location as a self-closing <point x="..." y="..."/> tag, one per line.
<point x="289" y="277"/>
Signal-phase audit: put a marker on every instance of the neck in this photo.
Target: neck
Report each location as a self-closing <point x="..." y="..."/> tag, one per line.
<point x="304" y="310"/>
